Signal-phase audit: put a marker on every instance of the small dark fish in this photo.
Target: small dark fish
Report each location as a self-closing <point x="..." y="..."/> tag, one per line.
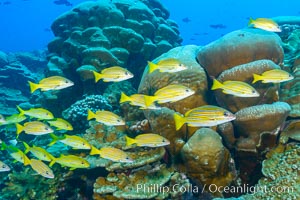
<point x="63" y="2"/>
<point x="186" y="20"/>
<point x="192" y="39"/>
<point x="218" y="26"/>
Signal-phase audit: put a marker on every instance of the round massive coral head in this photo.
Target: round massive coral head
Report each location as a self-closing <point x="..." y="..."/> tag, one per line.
<point x="240" y="47"/>
<point x="194" y="77"/>
<point x="109" y="33"/>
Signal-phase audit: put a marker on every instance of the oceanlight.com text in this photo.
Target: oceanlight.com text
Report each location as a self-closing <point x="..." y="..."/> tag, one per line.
<point x="212" y="188"/>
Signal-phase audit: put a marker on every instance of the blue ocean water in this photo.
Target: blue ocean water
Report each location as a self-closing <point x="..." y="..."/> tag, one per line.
<point x="25" y="24"/>
<point x="84" y="125"/>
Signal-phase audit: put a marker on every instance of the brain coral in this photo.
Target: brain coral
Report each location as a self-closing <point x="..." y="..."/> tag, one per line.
<point x="106" y="33"/>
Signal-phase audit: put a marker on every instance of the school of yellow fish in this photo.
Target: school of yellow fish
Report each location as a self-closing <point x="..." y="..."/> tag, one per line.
<point x="43" y="122"/>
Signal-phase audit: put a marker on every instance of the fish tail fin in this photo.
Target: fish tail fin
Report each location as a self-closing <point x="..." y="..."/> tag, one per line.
<point x="149" y="100"/>
<point x="27" y="147"/>
<point x="52" y="161"/>
<point x="179" y="121"/>
<point x="33" y="86"/>
<point x="256" y="78"/>
<point x="22" y="112"/>
<point x="251" y="20"/>
<point x="3" y="146"/>
<point x="152" y="67"/>
<point x="26" y="160"/>
<point x="20" y="128"/>
<point x="94" y="151"/>
<point x="91" y="115"/>
<point x="129" y="141"/>
<point x="54" y="139"/>
<point x="97" y="76"/>
<point x="124" y="98"/>
<point x="216" y="84"/>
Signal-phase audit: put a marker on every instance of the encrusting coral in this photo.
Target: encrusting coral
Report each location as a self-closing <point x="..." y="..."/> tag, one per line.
<point x="281" y="175"/>
<point x="156" y="182"/>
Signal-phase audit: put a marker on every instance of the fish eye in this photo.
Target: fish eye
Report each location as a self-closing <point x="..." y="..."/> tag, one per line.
<point x="290" y="75"/>
<point x="126" y="73"/>
<point x="47" y="172"/>
<point x="66" y="81"/>
<point x="163" y="140"/>
<point x="187" y="90"/>
<point x="82" y="163"/>
<point x="127" y="158"/>
<point x="253" y="91"/>
<point x="46" y="113"/>
<point x="4" y="166"/>
<point x="226" y="114"/>
<point x="46" y="129"/>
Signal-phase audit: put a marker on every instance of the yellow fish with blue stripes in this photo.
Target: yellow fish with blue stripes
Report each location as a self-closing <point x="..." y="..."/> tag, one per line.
<point x="235" y="88"/>
<point x="147" y="140"/>
<point x="113" y="74"/>
<point x="34" y="128"/>
<point x="39" y="113"/>
<point x="38" y="152"/>
<point x="273" y="76"/>
<point x="106" y="117"/>
<point x="71" y="161"/>
<point x="74" y="141"/>
<point x="16" y="153"/>
<point x="205" y="116"/>
<point x="41" y="168"/>
<point x="51" y="83"/>
<point x="170" y="93"/>
<point x="112" y="154"/>
<point x="61" y="124"/>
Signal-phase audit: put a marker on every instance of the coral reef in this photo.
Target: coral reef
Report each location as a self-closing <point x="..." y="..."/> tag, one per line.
<point x="253" y="121"/>
<point x="148" y="182"/>
<point x="24" y="67"/>
<point x="268" y="92"/>
<point x="194" y="77"/>
<point x="281" y="175"/>
<point x="207" y="161"/>
<point x="77" y="113"/>
<point x="107" y="33"/>
<point x="289" y="90"/>
<point x="257" y="129"/>
<point x="291" y="132"/>
<point x="36" y="187"/>
<point x="240" y="47"/>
